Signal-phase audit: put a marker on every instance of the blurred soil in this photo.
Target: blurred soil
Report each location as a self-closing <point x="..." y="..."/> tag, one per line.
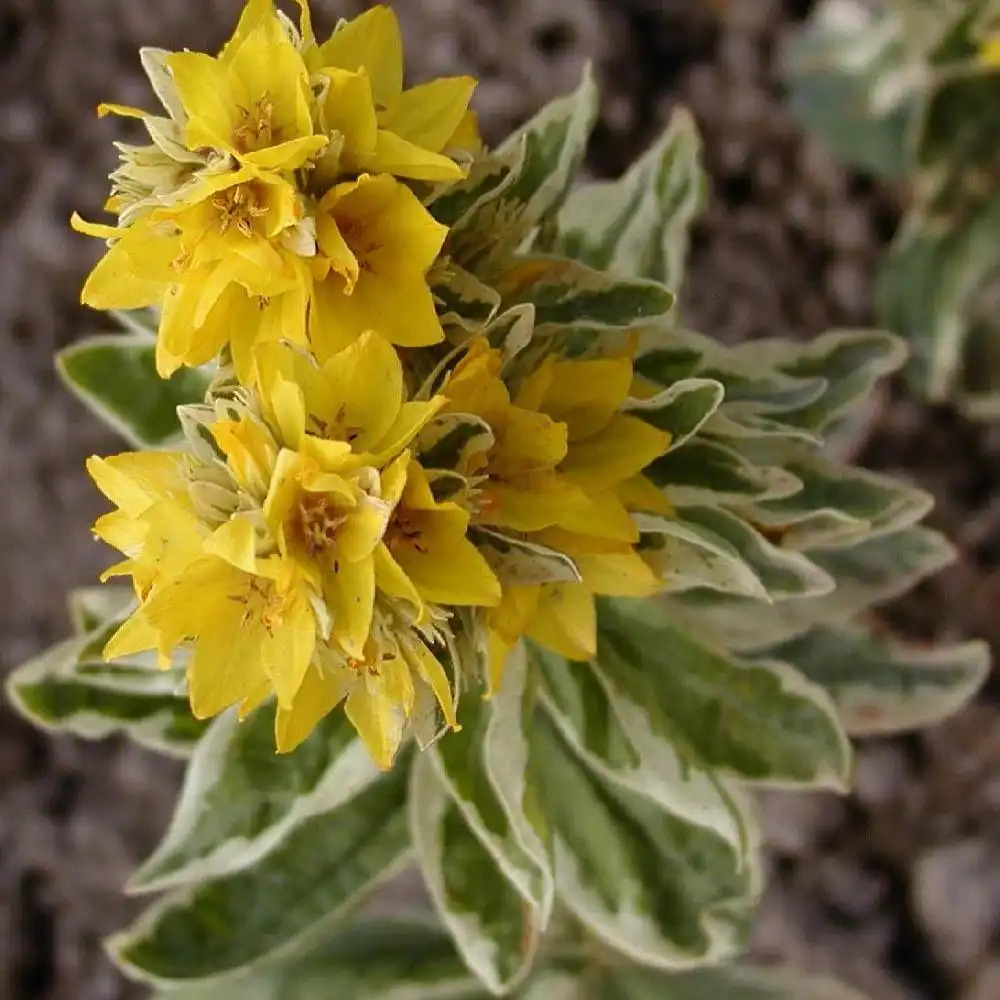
<point x="896" y="888"/>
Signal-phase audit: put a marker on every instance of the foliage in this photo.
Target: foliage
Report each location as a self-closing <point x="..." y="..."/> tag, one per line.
<point x="585" y="827"/>
<point x="904" y="89"/>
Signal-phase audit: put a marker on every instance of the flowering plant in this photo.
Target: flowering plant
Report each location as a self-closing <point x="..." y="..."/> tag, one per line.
<point x="904" y="89"/>
<point x="449" y="547"/>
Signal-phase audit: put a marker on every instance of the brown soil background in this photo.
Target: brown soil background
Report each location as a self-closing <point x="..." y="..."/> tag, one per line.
<point x="896" y="888"/>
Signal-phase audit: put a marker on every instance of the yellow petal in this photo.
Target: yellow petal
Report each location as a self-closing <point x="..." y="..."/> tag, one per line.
<point x="122" y="111"/>
<point x="400" y="158"/>
<point x="428" y="668"/>
<point x="319" y="694"/>
<point x="350" y="110"/>
<point x="617" y="574"/>
<point x="391" y="580"/>
<point x="428" y="115"/>
<point x="235" y="542"/>
<point x="624" y="448"/>
<point x="373" y="43"/>
<point x="350" y="593"/>
<point x="639" y="493"/>
<point x="288" y="643"/>
<point x="566" y="621"/>
<point x="135" y="480"/>
<point x="528" y="507"/>
<point x="366" y="381"/>
<point x="289" y="155"/>
<point x="398" y="305"/>
<point x="587" y="394"/>
<point x="363" y="530"/>
<point x="412" y="419"/>
<point x="205" y="89"/>
<point x="602" y="516"/>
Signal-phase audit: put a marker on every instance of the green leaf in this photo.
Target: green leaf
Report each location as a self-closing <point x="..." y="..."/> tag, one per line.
<point x="115" y="375"/>
<point x="387" y="959"/>
<point x="882" y="685"/>
<point x="241" y="800"/>
<point x="874" y="570"/>
<point x="837" y="67"/>
<point x="520" y="562"/>
<point x="704" y="471"/>
<point x="852" y="362"/>
<point x="759" y="722"/>
<point x="660" y="890"/>
<point x="637" y="226"/>
<point x="485" y="766"/>
<point x="725" y="983"/>
<point x="837" y="505"/>
<point x="779" y="573"/>
<point x="533" y="186"/>
<point x="287" y="901"/>
<point x="91" y="607"/>
<point x="494" y="926"/>
<point x="682" y="409"/>
<point x="462" y="300"/>
<point x="53" y="693"/>
<point x="619" y="740"/>
<point x="565" y="292"/>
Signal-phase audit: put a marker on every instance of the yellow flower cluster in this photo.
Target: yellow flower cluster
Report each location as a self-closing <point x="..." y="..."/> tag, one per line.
<point x="338" y="530"/>
<point x="269" y="204"/>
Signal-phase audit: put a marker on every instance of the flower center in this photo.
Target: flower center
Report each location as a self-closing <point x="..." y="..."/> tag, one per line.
<point x="319" y="521"/>
<point x="256" y="128"/>
<point x="239" y="207"/>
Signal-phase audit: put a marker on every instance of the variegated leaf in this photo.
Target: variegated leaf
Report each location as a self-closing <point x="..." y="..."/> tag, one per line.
<point x="874" y="570"/>
<point x="734" y="982"/>
<point x="286" y="902"/>
<point x="759" y="722"/>
<point x="388" y="959"/>
<point x="637" y="226"/>
<point x="486" y="768"/>
<point x="616" y="738"/>
<point x="495" y="927"/>
<point x="682" y="409"/>
<point x="241" y="800"/>
<point x="565" y="292"/>
<point x="54" y="691"/>
<point x="115" y="376"/>
<point x="660" y="890"/>
<point x="882" y="685"/>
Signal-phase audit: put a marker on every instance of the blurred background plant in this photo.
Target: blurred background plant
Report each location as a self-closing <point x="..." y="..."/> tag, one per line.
<point x="908" y="90"/>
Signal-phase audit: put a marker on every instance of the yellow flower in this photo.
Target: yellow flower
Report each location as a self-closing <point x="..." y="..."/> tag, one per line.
<point x="226" y="265"/>
<point x="302" y="554"/>
<point x="376" y="243"/>
<point x="989" y="51"/>
<point x="384" y="128"/>
<point x="253" y="100"/>
<point x="563" y="469"/>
